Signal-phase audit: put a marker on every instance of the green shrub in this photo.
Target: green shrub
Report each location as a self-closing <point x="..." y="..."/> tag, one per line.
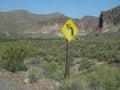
<point x="86" y="63"/>
<point x="104" y="78"/>
<point x="101" y="78"/>
<point x="33" y="74"/>
<point x="75" y="83"/>
<point x="12" y="58"/>
<point x="53" y="70"/>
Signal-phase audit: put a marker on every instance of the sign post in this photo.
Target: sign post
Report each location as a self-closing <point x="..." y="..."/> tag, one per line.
<point x="69" y="30"/>
<point x="67" y="61"/>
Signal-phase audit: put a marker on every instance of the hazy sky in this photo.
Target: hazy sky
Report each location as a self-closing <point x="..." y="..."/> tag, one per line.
<point x="72" y="8"/>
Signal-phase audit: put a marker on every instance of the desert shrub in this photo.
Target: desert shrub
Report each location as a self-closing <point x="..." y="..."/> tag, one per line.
<point x="36" y="61"/>
<point x="12" y="58"/>
<point x="101" y="78"/>
<point x="104" y="78"/>
<point x="75" y="83"/>
<point x="53" y="70"/>
<point x="100" y="49"/>
<point x="86" y="63"/>
<point x="33" y="74"/>
<point x="117" y="58"/>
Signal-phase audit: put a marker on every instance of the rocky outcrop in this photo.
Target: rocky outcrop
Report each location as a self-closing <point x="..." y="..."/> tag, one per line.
<point x="110" y="20"/>
<point x="89" y="23"/>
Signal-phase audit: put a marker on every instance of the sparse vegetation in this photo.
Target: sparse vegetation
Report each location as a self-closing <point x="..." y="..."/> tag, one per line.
<point x="99" y="49"/>
<point x="101" y="78"/>
<point x="46" y="58"/>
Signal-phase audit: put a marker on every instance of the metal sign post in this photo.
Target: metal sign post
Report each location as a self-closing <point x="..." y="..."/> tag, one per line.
<point x="67" y="61"/>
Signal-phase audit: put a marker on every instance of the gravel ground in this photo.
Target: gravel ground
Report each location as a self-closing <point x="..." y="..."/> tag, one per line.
<point x="15" y="81"/>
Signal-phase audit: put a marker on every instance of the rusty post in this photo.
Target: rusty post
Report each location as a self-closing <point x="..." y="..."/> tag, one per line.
<point x="67" y="61"/>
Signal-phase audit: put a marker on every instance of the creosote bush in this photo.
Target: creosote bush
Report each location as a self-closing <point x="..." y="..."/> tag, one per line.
<point x="33" y="74"/>
<point x="101" y="78"/>
<point x="52" y="70"/>
<point x="75" y="83"/>
<point x="104" y="78"/>
<point x="12" y="58"/>
<point x="86" y="63"/>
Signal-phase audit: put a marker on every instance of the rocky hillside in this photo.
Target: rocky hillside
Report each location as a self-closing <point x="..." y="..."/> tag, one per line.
<point x="88" y="23"/>
<point x="24" y="23"/>
<point x="108" y="25"/>
<point x="109" y="21"/>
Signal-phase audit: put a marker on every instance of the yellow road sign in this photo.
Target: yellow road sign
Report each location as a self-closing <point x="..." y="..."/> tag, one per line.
<point x="69" y="30"/>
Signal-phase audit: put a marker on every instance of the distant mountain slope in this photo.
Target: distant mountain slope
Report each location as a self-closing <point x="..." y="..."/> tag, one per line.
<point x="89" y="23"/>
<point x="24" y="23"/>
<point x="110" y="20"/>
<point x="108" y="25"/>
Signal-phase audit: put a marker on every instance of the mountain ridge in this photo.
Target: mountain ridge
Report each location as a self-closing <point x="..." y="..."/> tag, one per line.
<point x="24" y="23"/>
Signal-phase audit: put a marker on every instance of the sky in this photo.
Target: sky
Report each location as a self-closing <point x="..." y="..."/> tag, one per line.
<point x="71" y="8"/>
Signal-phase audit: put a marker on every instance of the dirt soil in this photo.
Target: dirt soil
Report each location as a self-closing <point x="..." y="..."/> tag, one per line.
<point x="15" y="81"/>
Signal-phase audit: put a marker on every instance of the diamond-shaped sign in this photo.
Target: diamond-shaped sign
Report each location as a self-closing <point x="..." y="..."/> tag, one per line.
<point x="69" y="30"/>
